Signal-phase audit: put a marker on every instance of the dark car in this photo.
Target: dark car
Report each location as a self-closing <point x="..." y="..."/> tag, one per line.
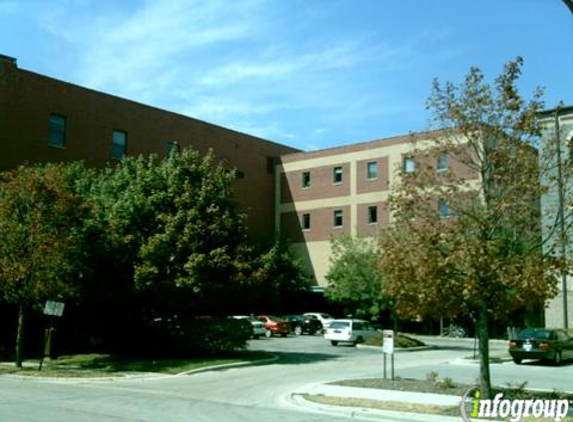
<point x="541" y="343"/>
<point x="275" y="326"/>
<point x="302" y="324"/>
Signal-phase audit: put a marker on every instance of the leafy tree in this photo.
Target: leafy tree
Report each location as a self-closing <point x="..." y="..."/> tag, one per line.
<point x="41" y="223"/>
<point x="354" y="278"/>
<point x="467" y="240"/>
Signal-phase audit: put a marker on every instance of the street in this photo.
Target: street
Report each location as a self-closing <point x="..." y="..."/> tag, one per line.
<point x="250" y="393"/>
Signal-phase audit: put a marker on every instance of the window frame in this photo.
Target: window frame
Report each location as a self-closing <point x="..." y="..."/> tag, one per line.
<point x="338" y="214"/>
<point x="306" y="180"/>
<point x="305" y="223"/>
<point x="405" y="167"/>
<point x="173" y="146"/>
<point x="443" y="206"/>
<point x="54" y="131"/>
<point x="443" y="157"/>
<point x="337" y="175"/>
<point x="369" y="174"/>
<point x="114" y="144"/>
<point x="372" y="221"/>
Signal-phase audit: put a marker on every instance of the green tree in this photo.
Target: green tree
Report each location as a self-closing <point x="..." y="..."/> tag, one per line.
<point x="41" y="222"/>
<point x="354" y="278"/>
<point x="467" y="240"/>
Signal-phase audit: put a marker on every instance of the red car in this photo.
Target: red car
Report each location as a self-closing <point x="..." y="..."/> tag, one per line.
<point x="275" y="326"/>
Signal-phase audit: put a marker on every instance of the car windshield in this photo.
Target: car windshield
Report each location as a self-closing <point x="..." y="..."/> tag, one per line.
<point x="326" y="316"/>
<point x="340" y="324"/>
<point x="534" y="333"/>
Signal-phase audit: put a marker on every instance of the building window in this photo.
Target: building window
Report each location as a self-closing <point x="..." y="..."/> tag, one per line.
<point x="443" y="208"/>
<point x="57" y="131"/>
<point x="306" y="179"/>
<point x="409" y="165"/>
<point x="373" y="215"/>
<point x="338" y="218"/>
<point x="306" y="221"/>
<point x="173" y="147"/>
<point x="119" y="144"/>
<point x="372" y="170"/>
<point x="337" y="175"/>
<point x="443" y="161"/>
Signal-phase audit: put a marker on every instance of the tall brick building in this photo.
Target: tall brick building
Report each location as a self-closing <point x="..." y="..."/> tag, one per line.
<point x="47" y="120"/>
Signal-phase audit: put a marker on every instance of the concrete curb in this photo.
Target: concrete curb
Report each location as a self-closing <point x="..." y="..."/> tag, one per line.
<point x="398" y="349"/>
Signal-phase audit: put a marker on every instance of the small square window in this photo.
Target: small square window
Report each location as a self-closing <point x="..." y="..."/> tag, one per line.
<point x="306" y="179"/>
<point x="372" y="170"/>
<point x="119" y="144"/>
<point x="409" y="165"/>
<point x="443" y="208"/>
<point x="306" y="221"/>
<point x="443" y="161"/>
<point x="372" y="215"/>
<point x="337" y="175"/>
<point x="338" y="219"/>
<point x="57" y="131"/>
<point x="173" y="147"/>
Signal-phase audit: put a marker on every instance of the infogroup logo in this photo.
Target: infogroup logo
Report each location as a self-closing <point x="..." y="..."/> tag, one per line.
<point x="473" y="407"/>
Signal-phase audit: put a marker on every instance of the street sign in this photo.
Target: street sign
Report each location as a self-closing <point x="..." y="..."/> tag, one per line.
<point x="54" y="308"/>
<point x="388" y="341"/>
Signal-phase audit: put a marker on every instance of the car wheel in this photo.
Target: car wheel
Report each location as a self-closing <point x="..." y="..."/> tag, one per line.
<point x="334" y="343"/>
<point x="298" y="330"/>
<point x="517" y="361"/>
<point x="256" y="336"/>
<point x="283" y="334"/>
<point x="268" y="333"/>
<point x="557" y="358"/>
<point x="359" y="340"/>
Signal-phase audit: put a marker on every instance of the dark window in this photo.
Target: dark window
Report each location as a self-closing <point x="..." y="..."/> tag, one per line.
<point x="119" y="144"/>
<point x="372" y="171"/>
<point x="443" y="161"/>
<point x="409" y="165"/>
<point x="173" y="147"/>
<point x="372" y="215"/>
<point x="306" y="179"/>
<point x="443" y="208"/>
<point x="337" y="175"/>
<point x="306" y="221"/>
<point x="338" y="218"/>
<point x="57" y="131"/>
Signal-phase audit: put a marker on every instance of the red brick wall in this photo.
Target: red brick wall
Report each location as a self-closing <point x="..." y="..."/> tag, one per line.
<point x="381" y="183"/>
<point x="321" y="224"/>
<point x="321" y="184"/>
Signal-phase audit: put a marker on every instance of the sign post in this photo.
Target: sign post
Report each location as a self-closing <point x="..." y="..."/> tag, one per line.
<point x="388" y="349"/>
<point x="51" y="309"/>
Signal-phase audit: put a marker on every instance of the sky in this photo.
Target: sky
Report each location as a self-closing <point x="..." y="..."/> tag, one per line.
<point x="310" y="74"/>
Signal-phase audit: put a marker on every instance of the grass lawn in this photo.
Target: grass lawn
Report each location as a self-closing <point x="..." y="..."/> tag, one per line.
<point x="97" y="365"/>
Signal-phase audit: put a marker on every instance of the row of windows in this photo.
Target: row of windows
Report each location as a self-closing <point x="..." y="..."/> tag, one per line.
<point x="443" y="164"/>
<point x="57" y="138"/>
<point x="372" y="215"/>
<point x="337" y="174"/>
<point x="338" y="218"/>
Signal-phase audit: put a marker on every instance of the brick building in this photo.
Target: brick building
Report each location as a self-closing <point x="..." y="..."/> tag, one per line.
<point x="47" y="120"/>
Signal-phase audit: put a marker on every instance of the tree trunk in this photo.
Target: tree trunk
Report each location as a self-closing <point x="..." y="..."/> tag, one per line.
<point x="20" y="336"/>
<point x="483" y="334"/>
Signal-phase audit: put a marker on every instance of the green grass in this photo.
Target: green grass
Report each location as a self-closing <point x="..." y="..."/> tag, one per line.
<point x="96" y="365"/>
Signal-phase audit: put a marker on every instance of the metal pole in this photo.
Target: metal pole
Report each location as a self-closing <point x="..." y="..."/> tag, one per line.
<point x="561" y="194"/>
<point x="384" y="365"/>
<point x="392" y="366"/>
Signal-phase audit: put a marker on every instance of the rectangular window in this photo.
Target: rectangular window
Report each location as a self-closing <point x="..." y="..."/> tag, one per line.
<point x="173" y="147"/>
<point x="306" y="221"/>
<point x="338" y="218"/>
<point x="57" y="131"/>
<point x="337" y="175"/>
<point x="372" y="171"/>
<point x="443" y="208"/>
<point x="372" y="215"/>
<point x="119" y="144"/>
<point x="306" y="179"/>
<point x="443" y="161"/>
<point x="409" y="165"/>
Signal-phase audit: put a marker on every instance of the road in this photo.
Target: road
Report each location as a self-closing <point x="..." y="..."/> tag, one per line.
<point x="252" y="393"/>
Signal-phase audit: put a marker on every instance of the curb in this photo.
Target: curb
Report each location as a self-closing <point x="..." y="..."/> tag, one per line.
<point x="398" y="350"/>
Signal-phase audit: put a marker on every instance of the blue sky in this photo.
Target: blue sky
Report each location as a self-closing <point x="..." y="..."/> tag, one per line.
<point x="307" y="73"/>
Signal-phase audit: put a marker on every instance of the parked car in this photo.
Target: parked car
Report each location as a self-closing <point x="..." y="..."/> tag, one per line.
<point x="324" y="318"/>
<point x="258" y="326"/>
<point x="349" y="331"/>
<point x="302" y="324"/>
<point x="541" y="343"/>
<point x="275" y="325"/>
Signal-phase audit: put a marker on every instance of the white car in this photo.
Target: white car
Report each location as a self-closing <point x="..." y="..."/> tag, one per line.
<point x="258" y="327"/>
<point x="349" y="331"/>
<point x="325" y="319"/>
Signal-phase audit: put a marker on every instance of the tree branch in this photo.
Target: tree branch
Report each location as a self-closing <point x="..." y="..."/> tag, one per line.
<point x="569" y="4"/>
